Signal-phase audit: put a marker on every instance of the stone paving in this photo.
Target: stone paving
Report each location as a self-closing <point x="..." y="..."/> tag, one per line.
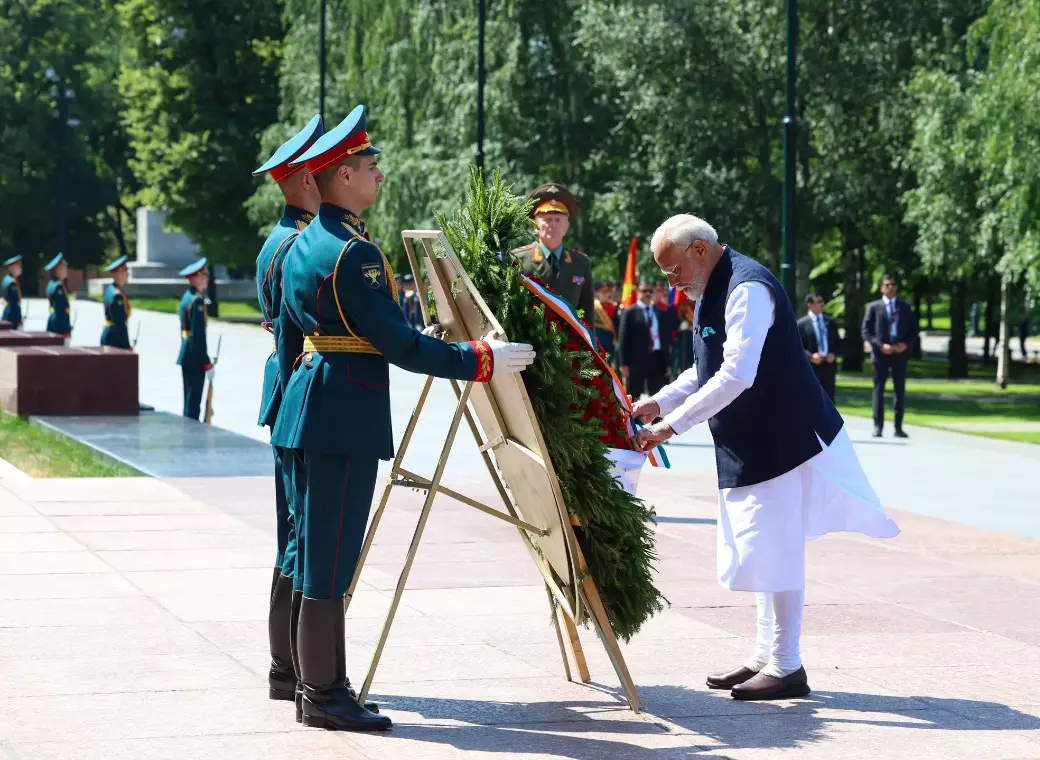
<point x="133" y="625"/>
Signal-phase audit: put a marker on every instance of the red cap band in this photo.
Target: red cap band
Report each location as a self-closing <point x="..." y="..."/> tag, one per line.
<point x="283" y="172"/>
<point x="355" y="144"/>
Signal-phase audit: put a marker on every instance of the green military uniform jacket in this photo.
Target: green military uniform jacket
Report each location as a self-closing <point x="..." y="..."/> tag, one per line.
<point x="58" y="319"/>
<point x="13" y="301"/>
<point x="338" y="284"/>
<point x="194" y="355"/>
<point x="117" y="313"/>
<point x="571" y="278"/>
<point x="269" y="294"/>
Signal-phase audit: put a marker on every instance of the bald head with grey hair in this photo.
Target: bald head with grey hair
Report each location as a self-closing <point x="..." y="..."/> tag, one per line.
<point x="687" y="249"/>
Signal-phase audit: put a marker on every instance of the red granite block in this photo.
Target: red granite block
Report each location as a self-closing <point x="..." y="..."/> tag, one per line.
<point x="21" y="338"/>
<point x="68" y="380"/>
<point x="5" y="325"/>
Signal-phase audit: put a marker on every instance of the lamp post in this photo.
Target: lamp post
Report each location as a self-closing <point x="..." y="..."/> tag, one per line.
<point x="62" y="96"/>
<point x="787" y="268"/>
<point x="481" y="20"/>
<point x="321" y="62"/>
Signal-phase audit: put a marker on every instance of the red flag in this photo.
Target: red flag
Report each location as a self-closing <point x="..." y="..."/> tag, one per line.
<point x="628" y="293"/>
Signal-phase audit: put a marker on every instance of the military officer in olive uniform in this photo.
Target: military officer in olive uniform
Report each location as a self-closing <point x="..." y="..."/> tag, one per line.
<point x="193" y="358"/>
<point x="117" y="307"/>
<point x="58" y="319"/>
<point x="565" y="270"/>
<point x="12" y="292"/>
<point x="340" y="293"/>
<point x="301" y="204"/>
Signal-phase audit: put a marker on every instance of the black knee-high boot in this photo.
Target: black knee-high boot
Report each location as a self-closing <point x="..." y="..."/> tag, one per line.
<point x="326" y="701"/>
<point x="281" y="679"/>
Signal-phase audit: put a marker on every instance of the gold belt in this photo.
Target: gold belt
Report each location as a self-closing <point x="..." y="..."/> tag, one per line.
<point x="337" y="344"/>
<point x="108" y="323"/>
<point x="185" y="333"/>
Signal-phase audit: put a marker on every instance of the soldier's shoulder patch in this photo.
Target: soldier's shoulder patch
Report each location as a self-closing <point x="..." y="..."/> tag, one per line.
<point x="373" y="275"/>
<point x="578" y="254"/>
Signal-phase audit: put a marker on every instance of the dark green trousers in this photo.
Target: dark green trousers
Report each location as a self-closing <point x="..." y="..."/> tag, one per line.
<point x="337" y="499"/>
<point x="194" y="380"/>
<point x="285" y="527"/>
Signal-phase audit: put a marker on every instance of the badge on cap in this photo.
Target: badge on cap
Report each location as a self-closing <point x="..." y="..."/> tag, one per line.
<point x="373" y="275"/>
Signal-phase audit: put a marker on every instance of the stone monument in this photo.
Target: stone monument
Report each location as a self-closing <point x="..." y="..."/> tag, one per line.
<point x="160" y="256"/>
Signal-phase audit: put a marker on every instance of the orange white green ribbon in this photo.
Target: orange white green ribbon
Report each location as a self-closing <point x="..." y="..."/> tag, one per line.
<point x="565" y="311"/>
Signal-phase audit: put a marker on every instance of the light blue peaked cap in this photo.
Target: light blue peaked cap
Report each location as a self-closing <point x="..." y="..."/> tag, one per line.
<point x="348" y="138"/>
<point x="290" y="149"/>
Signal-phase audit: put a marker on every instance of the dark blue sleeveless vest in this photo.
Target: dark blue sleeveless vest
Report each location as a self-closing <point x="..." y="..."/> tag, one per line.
<point x="772" y="427"/>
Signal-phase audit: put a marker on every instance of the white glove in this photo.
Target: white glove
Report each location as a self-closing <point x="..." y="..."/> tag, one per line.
<point x="210" y="374"/>
<point x="433" y="331"/>
<point x="510" y="357"/>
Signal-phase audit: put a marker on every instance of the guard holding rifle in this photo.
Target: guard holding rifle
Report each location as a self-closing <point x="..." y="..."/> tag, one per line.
<point x="196" y="367"/>
<point x="117" y="307"/>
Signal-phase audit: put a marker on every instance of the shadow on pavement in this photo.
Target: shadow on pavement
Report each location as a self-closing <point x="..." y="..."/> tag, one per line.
<point x="695" y="722"/>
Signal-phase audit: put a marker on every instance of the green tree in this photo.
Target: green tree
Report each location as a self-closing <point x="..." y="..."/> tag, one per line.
<point x="200" y="80"/>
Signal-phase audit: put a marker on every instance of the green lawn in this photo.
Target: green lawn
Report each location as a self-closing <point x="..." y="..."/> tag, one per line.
<point x="227" y="308"/>
<point x="43" y="454"/>
<point x="935" y="402"/>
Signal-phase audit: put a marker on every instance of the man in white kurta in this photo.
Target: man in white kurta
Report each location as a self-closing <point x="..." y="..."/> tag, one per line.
<point x="763" y="525"/>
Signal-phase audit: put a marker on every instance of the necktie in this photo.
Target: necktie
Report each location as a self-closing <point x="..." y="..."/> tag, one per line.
<point x="892" y="319"/>
<point x="822" y="327"/>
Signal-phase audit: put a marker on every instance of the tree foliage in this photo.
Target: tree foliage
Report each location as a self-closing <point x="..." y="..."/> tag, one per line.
<point x="200" y="82"/>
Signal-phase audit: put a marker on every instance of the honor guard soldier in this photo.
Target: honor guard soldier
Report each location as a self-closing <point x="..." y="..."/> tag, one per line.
<point x="340" y="292"/>
<point x="13" y="292"/>
<point x="301" y="204"/>
<point x="117" y="307"/>
<point x="193" y="358"/>
<point x="58" y="319"/>
<point x="565" y="270"/>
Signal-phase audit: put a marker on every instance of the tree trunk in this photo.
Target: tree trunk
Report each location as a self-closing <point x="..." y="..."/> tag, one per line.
<point x="213" y="308"/>
<point x="991" y="298"/>
<point x="852" y="346"/>
<point x="916" y="350"/>
<point x="928" y="304"/>
<point x="1004" y="357"/>
<point x="958" y="349"/>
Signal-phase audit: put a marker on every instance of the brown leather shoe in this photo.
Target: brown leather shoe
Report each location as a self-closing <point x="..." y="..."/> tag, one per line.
<point x="763" y="687"/>
<point x="731" y="679"/>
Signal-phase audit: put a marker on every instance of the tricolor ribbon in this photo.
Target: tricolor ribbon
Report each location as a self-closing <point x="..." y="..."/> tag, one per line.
<point x="566" y="312"/>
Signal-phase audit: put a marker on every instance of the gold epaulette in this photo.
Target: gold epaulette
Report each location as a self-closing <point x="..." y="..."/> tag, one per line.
<point x="337" y="344"/>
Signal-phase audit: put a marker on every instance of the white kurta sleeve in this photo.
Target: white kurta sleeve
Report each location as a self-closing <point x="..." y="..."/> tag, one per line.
<point x="750" y="310"/>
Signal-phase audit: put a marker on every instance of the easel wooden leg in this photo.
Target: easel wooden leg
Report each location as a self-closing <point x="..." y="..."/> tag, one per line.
<point x="559" y="635"/>
<point x="370" y="537"/>
<point x="602" y="624"/>
<point x="413" y="547"/>
<point x="570" y="631"/>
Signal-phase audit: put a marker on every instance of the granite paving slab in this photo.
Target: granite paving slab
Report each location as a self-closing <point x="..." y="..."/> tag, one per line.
<point x="164" y="445"/>
<point x="138" y="625"/>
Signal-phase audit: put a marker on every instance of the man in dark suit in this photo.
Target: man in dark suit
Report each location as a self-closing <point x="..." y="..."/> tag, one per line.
<point x="820" y="341"/>
<point x="890" y="327"/>
<point x="642" y="345"/>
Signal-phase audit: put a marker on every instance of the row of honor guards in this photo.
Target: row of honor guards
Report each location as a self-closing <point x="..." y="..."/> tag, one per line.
<point x="193" y="358"/>
<point x="332" y="304"/>
<point x="116" y="302"/>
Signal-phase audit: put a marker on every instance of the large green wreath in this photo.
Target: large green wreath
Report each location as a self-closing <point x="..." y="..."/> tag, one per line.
<point x="616" y="531"/>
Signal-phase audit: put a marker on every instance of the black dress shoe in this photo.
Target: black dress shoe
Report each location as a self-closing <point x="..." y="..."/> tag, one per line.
<point x="281" y="678"/>
<point x="326" y="701"/>
<point x="763" y="687"/>
<point x="901" y="434"/>
<point x="731" y="679"/>
<point x="876" y="433"/>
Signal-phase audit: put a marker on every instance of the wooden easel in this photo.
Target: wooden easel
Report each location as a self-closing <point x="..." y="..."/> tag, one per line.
<point x="571" y="590"/>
